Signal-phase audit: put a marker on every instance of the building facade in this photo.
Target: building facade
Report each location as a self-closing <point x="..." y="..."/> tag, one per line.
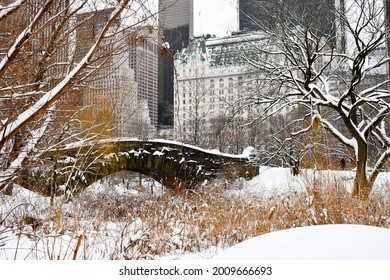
<point x="122" y="92"/>
<point x="176" y="24"/>
<point x="176" y="14"/>
<point x="143" y="59"/>
<point x="40" y="63"/>
<point x="254" y="13"/>
<point x="211" y="84"/>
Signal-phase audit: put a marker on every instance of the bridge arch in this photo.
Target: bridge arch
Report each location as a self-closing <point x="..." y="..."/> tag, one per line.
<point x="174" y="164"/>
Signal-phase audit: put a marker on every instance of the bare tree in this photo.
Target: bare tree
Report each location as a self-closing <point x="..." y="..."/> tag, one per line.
<point x="329" y="73"/>
<point x="197" y="110"/>
<point x="42" y="70"/>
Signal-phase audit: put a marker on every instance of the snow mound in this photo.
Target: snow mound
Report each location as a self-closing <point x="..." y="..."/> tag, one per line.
<point x="325" y="242"/>
<point x="249" y="152"/>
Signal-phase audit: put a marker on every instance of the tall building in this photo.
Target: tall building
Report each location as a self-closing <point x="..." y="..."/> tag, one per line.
<point x="43" y="57"/>
<point x="387" y="24"/>
<point x="110" y="93"/>
<point x="253" y="13"/>
<point x="48" y="27"/>
<point x="175" y="14"/>
<point x="143" y="59"/>
<point x="248" y="14"/>
<point x="212" y="80"/>
<point x="176" y="23"/>
<point x="123" y="89"/>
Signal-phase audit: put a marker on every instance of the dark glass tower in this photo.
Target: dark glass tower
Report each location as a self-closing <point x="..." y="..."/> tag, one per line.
<point x="256" y="13"/>
<point x="176" y="23"/>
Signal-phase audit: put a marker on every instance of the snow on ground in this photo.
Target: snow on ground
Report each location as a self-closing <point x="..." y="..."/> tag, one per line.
<point x="124" y="184"/>
<point x="52" y="241"/>
<point x="329" y="242"/>
<point x="325" y="242"/>
<point x="278" y="180"/>
<point x="205" y="254"/>
<point x="315" y="242"/>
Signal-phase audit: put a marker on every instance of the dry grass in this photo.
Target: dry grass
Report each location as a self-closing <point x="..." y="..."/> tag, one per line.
<point x="152" y="226"/>
<point x="194" y="220"/>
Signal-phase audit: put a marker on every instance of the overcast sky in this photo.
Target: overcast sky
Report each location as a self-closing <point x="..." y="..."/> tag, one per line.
<point x="219" y="17"/>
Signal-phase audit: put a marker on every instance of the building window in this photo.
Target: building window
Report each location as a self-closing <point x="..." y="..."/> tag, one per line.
<point x="221" y="86"/>
<point x="230" y="86"/>
<point x="212" y="87"/>
<point x="240" y="81"/>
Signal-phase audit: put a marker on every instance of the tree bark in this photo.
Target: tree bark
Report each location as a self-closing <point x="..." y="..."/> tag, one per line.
<point x="361" y="188"/>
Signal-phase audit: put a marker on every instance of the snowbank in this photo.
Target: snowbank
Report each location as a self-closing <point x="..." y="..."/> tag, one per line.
<point x="325" y="242"/>
<point x="273" y="181"/>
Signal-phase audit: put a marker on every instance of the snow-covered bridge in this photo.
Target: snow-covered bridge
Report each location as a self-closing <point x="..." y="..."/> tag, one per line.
<point x="174" y="164"/>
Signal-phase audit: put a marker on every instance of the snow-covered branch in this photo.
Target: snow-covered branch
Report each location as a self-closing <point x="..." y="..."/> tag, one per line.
<point x="25" y="152"/>
<point x="23" y="37"/>
<point x="9" y="9"/>
<point x="54" y="94"/>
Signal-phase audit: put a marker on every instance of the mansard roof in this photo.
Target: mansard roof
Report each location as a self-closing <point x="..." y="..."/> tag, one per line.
<point x="223" y="51"/>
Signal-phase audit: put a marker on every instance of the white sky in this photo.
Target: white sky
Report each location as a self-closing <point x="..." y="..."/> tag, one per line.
<point x="219" y="17"/>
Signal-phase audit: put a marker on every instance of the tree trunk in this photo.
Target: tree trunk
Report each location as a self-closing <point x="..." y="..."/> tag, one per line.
<point x="361" y="188"/>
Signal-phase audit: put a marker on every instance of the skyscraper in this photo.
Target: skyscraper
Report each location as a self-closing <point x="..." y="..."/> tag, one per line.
<point x="256" y="13"/>
<point x="247" y="14"/>
<point x="124" y="88"/>
<point x="143" y="59"/>
<point x="176" y="22"/>
<point x="387" y="24"/>
<point x="111" y="91"/>
<point x="176" y="14"/>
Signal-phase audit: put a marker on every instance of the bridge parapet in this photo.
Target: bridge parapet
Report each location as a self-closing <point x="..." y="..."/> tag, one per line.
<point x="174" y="164"/>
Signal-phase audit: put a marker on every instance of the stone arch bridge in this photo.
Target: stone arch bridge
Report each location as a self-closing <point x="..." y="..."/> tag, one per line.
<point x="174" y="164"/>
